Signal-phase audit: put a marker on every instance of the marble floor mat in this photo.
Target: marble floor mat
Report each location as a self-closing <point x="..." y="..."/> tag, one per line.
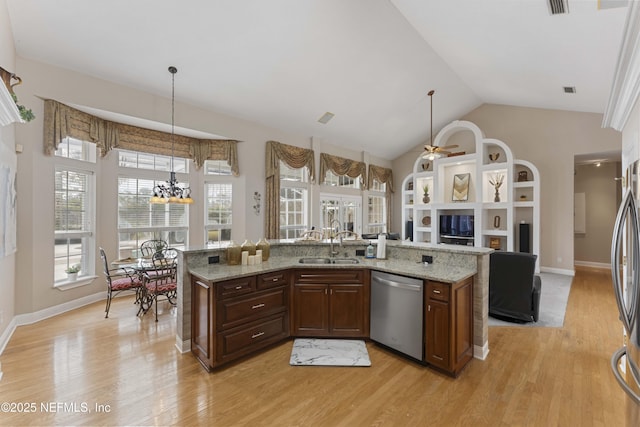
<point x="325" y="352"/>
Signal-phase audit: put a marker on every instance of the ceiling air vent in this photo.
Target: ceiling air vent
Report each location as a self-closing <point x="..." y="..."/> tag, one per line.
<point x="557" y="7"/>
<point x="325" y="118"/>
<point x="569" y="89"/>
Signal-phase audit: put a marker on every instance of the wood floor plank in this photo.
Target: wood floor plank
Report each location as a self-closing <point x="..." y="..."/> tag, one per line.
<point x="130" y="369"/>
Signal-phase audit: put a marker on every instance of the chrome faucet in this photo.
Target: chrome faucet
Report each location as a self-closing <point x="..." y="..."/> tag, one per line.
<point x="331" y="235"/>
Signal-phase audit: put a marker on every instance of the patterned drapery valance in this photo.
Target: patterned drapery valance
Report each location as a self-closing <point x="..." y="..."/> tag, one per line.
<point x="382" y="175"/>
<point x="342" y="166"/>
<point x="61" y="121"/>
<point x="294" y="157"/>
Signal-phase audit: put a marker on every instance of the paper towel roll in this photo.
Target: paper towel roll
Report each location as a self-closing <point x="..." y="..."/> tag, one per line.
<point x="382" y="246"/>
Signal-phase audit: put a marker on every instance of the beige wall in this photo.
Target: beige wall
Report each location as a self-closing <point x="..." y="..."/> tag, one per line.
<point x="35" y="172"/>
<point x="7" y="152"/>
<point x="601" y="196"/>
<point x="549" y="139"/>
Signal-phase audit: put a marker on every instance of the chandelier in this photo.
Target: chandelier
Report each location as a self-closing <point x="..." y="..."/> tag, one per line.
<point x="171" y="193"/>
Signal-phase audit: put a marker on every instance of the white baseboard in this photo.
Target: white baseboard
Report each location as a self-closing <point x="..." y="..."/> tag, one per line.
<point x="183" y="346"/>
<point x="562" y="271"/>
<point x="481" y="352"/>
<point x="29" y="318"/>
<point x="600" y="265"/>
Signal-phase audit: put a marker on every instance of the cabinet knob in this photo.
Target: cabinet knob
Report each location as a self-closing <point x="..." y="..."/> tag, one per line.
<point x="435" y="291"/>
<point x="259" y="334"/>
<point x="253" y="307"/>
<point x="238" y="287"/>
<point x="275" y="279"/>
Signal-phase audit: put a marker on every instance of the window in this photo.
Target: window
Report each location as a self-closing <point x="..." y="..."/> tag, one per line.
<point x="218" y="188"/>
<point x="342" y="181"/>
<point x="344" y="209"/>
<point x="138" y="220"/>
<point x="74" y="209"/>
<point x="294" y="201"/>
<point x="377" y="208"/>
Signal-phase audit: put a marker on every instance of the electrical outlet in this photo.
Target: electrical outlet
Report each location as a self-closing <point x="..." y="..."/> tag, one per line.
<point x="428" y="259"/>
<point x="214" y="259"/>
<point x="359" y="252"/>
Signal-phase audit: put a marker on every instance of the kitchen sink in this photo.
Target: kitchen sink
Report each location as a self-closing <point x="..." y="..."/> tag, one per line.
<point x="314" y="261"/>
<point x="328" y="261"/>
<point x="344" y="261"/>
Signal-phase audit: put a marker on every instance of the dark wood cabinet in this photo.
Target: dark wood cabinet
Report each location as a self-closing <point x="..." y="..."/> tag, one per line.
<point x="330" y="303"/>
<point x="202" y="332"/>
<point x="233" y="318"/>
<point x="449" y="325"/>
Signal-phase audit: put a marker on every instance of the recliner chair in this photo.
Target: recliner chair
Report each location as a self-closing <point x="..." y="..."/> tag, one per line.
<point x="514" y="288"/>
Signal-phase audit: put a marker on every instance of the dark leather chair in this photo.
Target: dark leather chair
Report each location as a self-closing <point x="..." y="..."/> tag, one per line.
<point x="514" y="288"/>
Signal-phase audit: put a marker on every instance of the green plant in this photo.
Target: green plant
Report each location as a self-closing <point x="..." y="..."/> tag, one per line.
<point x="26" y="114"/>
<point x="425" y="189"/>
<point x="72" y="269"/>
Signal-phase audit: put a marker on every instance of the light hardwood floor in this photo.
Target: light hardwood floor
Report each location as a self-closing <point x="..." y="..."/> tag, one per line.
<point x="127" y="371"/>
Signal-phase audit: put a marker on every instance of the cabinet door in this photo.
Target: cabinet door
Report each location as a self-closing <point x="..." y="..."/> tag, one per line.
<point x="346" y="310"/>
<point x="437" y="334"/>
<point x="462" y="327"/>
<point x="310" y="310"/>
<point x="202" y="345"/>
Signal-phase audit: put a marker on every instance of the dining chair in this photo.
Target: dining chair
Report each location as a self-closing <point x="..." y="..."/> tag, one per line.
<point x="150" y="247"/>
<point x="160" y="280"/>
<point x="119" y="280"/>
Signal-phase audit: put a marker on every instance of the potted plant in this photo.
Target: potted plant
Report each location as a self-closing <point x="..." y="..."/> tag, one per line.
<point x="425" y="197"/>
<point x="72" y="272"/>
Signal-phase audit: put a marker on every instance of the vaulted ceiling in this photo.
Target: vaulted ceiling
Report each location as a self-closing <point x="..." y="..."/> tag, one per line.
<point x="284" y="63"/>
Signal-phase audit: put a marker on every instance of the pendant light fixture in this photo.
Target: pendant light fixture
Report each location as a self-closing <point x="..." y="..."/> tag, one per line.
<point x="172" y="193"/>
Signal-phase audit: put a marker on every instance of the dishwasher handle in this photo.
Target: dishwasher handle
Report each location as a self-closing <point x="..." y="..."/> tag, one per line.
<point x="406" y="286"/>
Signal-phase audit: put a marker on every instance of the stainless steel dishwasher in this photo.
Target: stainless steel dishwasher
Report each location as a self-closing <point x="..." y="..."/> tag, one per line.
<point x="396" y="313"/>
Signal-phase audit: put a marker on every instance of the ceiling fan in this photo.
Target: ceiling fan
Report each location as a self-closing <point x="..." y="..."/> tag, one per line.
<point x="431" y="152"/>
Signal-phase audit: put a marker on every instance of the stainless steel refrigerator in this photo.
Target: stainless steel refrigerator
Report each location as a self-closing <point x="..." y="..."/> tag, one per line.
<point x="625" y="271"/>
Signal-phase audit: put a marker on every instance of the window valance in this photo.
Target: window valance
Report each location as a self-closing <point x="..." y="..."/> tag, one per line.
<point x="342" y="166"/>
<point x="294" y="157"/>
<point x="383" y="175"/>
<point x="61" y="121"/>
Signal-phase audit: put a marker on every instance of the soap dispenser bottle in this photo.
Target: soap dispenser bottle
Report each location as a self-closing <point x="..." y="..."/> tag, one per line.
<point x="369" y="253"/>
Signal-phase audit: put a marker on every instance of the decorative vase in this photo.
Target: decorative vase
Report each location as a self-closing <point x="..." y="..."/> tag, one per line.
<point x="425" y="198"/>
<point x="249" y="246"/>
<point x="497" y="196"/>
<point x="264" y="246"/>
<point x="72" y="277"/>
<point x="234" y="253"/>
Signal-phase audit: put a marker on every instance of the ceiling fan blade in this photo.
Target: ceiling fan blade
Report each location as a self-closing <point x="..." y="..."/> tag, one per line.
<point x="447" y="147"/>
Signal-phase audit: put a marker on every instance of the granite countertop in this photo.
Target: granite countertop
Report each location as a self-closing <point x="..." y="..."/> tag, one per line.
<point x="439" y="272"/>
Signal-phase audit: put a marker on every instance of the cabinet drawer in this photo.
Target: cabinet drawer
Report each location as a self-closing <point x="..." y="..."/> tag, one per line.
<point x="231" y="313"/>
<point x="270" y="280"/>
<point x="329" y="277"/>
<point x="235" y="287"/>
<point x="243" y="340"/>
<point x="438" y="291"/>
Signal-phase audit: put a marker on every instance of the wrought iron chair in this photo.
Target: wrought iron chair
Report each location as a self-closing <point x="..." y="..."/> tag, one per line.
<point x="160" y="280"/>
<point x="119" y="280"/>
<point x="151" y="247"/>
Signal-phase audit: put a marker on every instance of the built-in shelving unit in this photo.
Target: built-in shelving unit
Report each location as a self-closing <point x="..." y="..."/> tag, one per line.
<point x="497" y="216"/>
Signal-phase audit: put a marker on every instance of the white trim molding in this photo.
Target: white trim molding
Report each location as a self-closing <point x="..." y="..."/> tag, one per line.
<point x="626" y="82"/>
<point x="8" y="110"/>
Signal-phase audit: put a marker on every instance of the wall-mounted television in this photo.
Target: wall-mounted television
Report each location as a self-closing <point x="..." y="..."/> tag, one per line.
<point x="456" y="225"/>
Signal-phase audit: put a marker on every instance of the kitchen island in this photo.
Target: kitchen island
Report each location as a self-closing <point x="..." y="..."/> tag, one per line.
<point x="451" y="264"/>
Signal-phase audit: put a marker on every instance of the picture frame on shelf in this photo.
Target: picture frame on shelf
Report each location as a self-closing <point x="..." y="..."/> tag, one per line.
<point x="523" y="176"/>
<point x="461" y="187"/>
<point x="494" y="243"/>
